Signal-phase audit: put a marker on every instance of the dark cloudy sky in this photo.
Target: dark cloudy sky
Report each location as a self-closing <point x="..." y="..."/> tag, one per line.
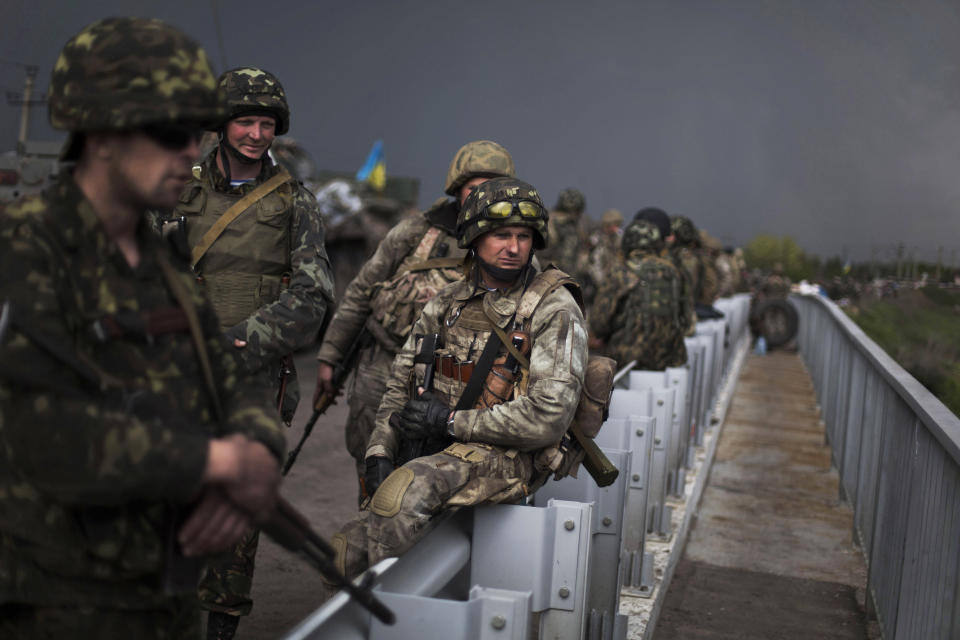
<point x="836" y="122"/>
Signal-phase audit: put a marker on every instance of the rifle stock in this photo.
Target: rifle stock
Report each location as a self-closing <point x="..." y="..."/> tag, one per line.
<point x="595" y="462"/>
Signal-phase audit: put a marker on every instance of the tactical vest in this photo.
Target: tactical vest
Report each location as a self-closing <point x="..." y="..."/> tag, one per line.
<point x="396" y="303"/>
<point x="249" y="264"/>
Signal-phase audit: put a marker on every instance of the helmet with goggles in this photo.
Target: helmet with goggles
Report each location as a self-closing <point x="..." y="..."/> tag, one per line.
<point x="502" y="202"/>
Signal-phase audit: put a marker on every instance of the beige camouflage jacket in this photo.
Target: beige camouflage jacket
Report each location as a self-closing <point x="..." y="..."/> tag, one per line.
<point x="558" y="359"/>
<point x="354" y="310"/>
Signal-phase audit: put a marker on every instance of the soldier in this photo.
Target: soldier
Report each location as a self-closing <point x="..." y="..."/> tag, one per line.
<point x="417" y="258"/>
<point x="564" y="252"/>
<point x="702" y="274"/>
<point x="504" y="444"/>
<point x="638" y="311"/>
<point x="775" y="285"/>
<point x="257" y="245"/>
<point x="605" y="245"/>
<point x="660" y="218"/>
<point x="121" y="404"/>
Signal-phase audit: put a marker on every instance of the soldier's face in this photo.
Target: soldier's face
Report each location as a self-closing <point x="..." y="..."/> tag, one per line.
<point x="506" y="247"/>
<point x="147" y="174"/>
<point x="469" y="185"/>
<point x="251" y="135"/>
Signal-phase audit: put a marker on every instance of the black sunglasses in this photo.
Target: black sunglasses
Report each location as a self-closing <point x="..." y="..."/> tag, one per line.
<point x="173" y="136"/>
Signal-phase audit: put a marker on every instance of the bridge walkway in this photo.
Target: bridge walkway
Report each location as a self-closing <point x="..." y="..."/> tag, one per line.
<point x="771" y="554"/>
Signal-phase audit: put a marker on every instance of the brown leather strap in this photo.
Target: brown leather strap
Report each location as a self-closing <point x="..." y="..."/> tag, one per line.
<point x="233" y="212"/>
<point x="448" y="368"/>
<point x="182" y="296"/>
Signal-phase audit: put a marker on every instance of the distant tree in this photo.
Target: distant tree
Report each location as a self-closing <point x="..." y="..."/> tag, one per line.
<point x="764" y="251"/>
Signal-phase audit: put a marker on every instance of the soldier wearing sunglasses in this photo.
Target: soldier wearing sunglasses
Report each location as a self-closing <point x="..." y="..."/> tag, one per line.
<point x="507" y="375"/>
<point x="129" y="435"/>
<point x="256" y="242"/>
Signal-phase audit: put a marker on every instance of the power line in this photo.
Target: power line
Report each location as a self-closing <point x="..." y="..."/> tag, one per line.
<point x="219" y="30"/>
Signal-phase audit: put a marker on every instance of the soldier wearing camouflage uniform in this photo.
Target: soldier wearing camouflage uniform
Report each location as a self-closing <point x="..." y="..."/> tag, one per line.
<point x="605" y="245"/>
<point x="567" y="238"/>
<point x="266" y="272"/>
<point x="500" y="453"/>
<point x="660" y="218"/>
<point x="121" y="405"/>
<point x="638" y="311"/>
<point x="417" y="258"/>
<point x="685" y="253"/>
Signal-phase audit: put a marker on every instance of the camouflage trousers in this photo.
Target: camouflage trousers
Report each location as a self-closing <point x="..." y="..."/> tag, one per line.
<point x="414" y="498"/>
<point x="228" y="579"/>
<point x="179" y="621"/>
<point x="364" y="393"/>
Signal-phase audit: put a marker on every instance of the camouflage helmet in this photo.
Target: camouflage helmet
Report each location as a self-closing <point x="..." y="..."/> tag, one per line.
<point x="478" y="159"/>
<point x="611" y="216"/>
<point x="684" y="230"/>
<point x="124" y="73"/>
<point x="570" y="201"/>
<point x="250" y="90"/>
<point x="474" y="220"/>
<point x="641" y="235"/>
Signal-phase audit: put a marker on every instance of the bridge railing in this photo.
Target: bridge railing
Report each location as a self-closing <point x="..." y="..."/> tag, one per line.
<point x="557" y="567"/>
<point x="897" y="449"/>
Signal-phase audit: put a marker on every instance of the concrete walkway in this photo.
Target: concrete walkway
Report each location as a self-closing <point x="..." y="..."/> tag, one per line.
<point x="771" y="553"/>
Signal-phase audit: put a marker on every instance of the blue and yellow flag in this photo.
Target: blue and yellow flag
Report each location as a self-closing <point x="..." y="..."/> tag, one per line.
<point x="374" y="170"/>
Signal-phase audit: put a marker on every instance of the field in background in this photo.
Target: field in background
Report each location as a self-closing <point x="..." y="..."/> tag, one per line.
<point x="920" y="329"/>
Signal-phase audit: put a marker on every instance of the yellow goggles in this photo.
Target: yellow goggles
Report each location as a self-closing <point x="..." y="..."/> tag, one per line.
<point x="505" y="208"/>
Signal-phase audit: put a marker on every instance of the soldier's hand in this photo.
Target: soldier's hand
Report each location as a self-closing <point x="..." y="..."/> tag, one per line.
<point x="248" y="473"/>
<point x="376" y="470"/>
<point x="423" y="417"/>
<point x="215" y="525"/>
<point x="324" y="381"/>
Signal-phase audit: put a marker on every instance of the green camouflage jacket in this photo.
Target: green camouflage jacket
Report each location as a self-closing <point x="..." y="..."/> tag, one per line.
<point x="355" y="310"/>
<point x="638" y="313"/>
<point x="294" y="318"/>
<point x="90" y="475"/>
<point x="558" y="358"/>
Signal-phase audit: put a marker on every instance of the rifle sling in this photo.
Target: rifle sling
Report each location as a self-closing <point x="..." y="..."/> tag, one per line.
<point x="469" y="396"/>
<point x="435" y="263"/>
<point x="233" y="212"/>
<point x="182" y="296"/>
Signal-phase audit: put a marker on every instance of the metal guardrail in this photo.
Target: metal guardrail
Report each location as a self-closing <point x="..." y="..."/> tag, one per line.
<point x="558" y="566"/>
<point x="897" y="449"/>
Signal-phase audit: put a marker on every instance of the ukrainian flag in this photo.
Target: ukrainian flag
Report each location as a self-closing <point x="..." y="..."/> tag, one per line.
<point x="374" y="170"/>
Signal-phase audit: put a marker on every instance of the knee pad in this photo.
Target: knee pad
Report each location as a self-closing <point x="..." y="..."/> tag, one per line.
<point x="386" y="501"/>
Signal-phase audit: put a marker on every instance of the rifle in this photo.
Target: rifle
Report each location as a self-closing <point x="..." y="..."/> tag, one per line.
<point x="595" y="462"/>
<point x="288" y="528"/>
<point x="410" y="449"/>
<point x="340" y="373"/>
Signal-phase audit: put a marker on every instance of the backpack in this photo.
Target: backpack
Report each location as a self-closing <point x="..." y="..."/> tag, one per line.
<point x="397" y="302"/>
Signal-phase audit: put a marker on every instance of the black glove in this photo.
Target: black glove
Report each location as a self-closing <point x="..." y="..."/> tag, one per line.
<point x="423" y="417"/>
<point x="376" y="470"/>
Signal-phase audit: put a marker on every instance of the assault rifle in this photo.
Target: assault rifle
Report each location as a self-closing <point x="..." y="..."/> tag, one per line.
<point x="340" y="373"/>
<point x="286" y="526"/>
<point x="410" y="449"/>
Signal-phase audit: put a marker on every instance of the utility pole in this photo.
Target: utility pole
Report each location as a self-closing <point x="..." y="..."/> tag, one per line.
<point x="900" y="249"/>
<point x="939" y="262"/>
<point x="25" y="101"/>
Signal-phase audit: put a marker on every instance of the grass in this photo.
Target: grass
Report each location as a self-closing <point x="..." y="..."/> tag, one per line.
<point x="921" y="331"/>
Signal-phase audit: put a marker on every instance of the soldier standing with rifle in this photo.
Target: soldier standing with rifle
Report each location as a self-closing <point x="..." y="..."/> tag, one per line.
<point x="507" y="377"/>
<point x="417" y="258"/>
<point x="129" y="434"/>
<point x="256" y="242"/>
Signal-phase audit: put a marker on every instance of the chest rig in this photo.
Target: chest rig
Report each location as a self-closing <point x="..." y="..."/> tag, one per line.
<point x="248" y="263"/>
<point x="396" y="303"/>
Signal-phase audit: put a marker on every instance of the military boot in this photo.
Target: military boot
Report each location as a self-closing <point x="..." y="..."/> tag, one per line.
<point x="221" y="626"/>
